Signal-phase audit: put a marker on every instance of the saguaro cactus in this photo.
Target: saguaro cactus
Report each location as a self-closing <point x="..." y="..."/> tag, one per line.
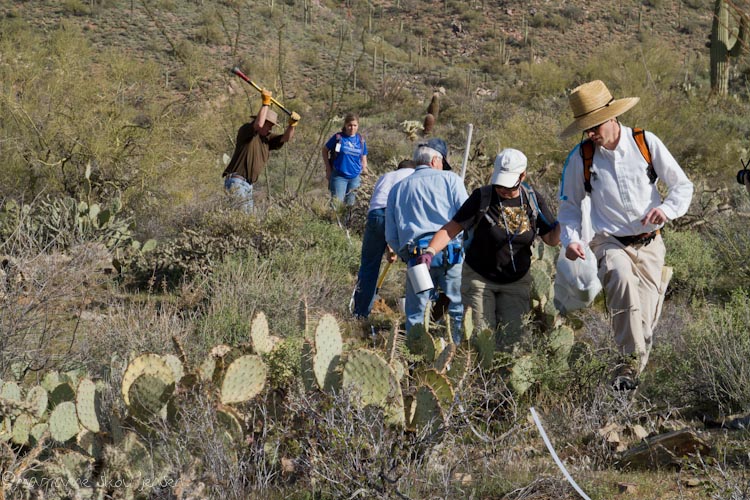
<point x="726" y="42"/>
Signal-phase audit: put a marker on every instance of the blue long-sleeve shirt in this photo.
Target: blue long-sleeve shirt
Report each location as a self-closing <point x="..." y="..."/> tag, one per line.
<point x="420" y="205"/>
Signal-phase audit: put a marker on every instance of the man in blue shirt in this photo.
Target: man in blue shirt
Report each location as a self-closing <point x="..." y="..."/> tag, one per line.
<point x="417" y="208"/>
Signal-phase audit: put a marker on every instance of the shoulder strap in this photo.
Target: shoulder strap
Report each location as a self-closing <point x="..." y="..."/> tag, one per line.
<point x="587" y="153"/>
<point x="639" y="136"/>
<point x="484" y="204"/>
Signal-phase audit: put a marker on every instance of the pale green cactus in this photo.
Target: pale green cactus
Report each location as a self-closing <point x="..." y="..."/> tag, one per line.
<point x="245" y="377"/>
<point x="63" y="422"/>
<point x="307" y="371"/>
<point x="468" y="325"/>
<point x="259" y="336"/>
<point x="21" y="428"/>
<point x="148" y="396"/>
<point x="88" y="405"/>
<point x="459" y="367"/>
<point x="369" y="375"/>
<point x="178" y="368"/>
<point x="37" y="399"/>
<point x="328" y="349"/>
<point x="523" y="374"/>
<point x="146" y="364"/>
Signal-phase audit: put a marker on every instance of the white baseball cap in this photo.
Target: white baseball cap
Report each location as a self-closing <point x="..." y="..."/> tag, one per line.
<point x="509" y="165"/>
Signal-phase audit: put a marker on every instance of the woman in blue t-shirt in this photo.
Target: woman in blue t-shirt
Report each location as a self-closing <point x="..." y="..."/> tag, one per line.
<point x="345" y="158"/>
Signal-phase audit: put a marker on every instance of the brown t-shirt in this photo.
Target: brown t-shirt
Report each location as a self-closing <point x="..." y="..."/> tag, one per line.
<point x="251" y="153"/>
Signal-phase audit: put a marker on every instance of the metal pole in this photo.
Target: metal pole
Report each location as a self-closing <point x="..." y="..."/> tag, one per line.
<point x="469" y="131"/>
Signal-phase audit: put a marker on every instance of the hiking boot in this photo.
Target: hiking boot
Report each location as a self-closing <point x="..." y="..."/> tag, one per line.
<point x="626" y="375"/>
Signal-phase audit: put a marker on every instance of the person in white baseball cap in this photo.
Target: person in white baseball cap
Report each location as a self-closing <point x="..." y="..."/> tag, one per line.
<point x="502" y="220"/>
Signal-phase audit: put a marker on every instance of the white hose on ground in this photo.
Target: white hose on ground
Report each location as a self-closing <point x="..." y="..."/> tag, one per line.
<point x="554" y="455"/>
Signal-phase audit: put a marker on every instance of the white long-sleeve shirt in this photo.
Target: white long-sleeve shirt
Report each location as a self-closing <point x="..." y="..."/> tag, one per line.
<point x="621" y="192"/>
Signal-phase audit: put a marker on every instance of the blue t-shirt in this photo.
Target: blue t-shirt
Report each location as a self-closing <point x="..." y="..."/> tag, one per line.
<point x="348" y="162"/>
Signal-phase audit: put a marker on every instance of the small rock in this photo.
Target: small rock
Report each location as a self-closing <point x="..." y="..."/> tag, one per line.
<point x="629" y="488"/>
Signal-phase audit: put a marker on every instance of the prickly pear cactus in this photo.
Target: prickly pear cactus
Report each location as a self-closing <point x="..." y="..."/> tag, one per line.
<point x="560" y="343"/>
<point x="443" y="360"/>
<point x="427" y="413"/>
<point x="484" y="343"/>
<point x="468" y="325"/>
<point x="146" y="364"/>
<point x="259" y="336"/>
<point x="178" y="368"/>
<point x="306" y="366"/>
<point x="421" y="343"/>
<point x="63" y="422"/>
<point x="541" y="283"/>
<point x="244" y="379"/>
<point x="369" y="375"/>
<point x="149" y="394"/>
<point x="37" y="399"/>
<point x="439" y="383"/>
<point x="523" y="374"/>
<point x="459" y="367"/>
<point x="21" y="429"/>
<point x="328" y="348"/>
<point x="88" y="405"/>
<point x="230" y="421"/>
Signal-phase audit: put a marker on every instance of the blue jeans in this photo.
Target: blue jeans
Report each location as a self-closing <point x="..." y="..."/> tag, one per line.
<point x="344" y="189"/>
<point x="241" y="189"/>
<point x="373" y="246"/>
<point x="448" y="278"/>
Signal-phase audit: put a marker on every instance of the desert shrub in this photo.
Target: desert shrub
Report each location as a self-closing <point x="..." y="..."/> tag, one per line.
<point x="731" y="243"/>
<point x="692" y="258"/>
<point x="717" y="350"/>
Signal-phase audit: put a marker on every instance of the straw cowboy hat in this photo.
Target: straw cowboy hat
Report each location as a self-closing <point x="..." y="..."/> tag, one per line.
<point x="593" y="104"/>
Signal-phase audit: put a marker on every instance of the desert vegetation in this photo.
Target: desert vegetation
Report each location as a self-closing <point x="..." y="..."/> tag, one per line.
<point x="156" y="342"/>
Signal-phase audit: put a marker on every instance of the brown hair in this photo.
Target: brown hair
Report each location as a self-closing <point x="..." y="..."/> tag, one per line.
<point x="348" y="118"/>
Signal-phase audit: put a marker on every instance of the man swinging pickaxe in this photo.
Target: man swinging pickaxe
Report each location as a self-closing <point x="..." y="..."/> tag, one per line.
<point x="254" y="142"/>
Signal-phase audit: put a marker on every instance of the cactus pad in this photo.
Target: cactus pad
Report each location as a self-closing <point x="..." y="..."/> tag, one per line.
<point x="259" y="336"/>
<point x="63" y="422"/>
<point x="62" y="393"/>
<point x="148" y="395"/>
<point x="523" y="374"/>
<point x="484" y="343"/>
<point x="306" y="366"/>
<point x="440" y="385"/>
<point x="178" y="369"/>
<point x="459" y="367"/>
<point x="229" y="420"/>
<point x="427" y="411"/>
<point x="21" y="428"/>
<point x="421" y="343"/>
<point x="443" y="361"/>
<point x="90" y="443"/>
<point x="468" y="324"/>
<point x="244" y="379"/>
<point x="37" y="399"/>
<point x="368" y="374"/>
<point x="146" y="364"/>
<point x="11" y="391"/>
<point x="88" y="405"/>
<point x="37" y="432"/>
<point x="328" y="348"/>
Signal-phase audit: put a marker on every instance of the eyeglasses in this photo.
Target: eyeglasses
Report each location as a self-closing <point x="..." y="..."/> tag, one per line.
<point x="593" y="129"/>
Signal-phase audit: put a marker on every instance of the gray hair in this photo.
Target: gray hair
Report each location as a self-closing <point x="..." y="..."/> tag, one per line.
<point x="423" y="155"/>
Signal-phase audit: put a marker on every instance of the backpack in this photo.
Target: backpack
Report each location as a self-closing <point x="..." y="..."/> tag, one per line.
<point x="587" y="153"/>
<point x="484" y="206"/>
<point x="332" y="153"/>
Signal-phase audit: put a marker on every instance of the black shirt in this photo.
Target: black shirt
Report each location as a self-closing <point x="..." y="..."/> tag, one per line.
<point x="489" y="252"/>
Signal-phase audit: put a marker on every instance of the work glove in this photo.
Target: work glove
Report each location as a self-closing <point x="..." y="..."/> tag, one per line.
<point x="425" y="258"/>
<point x="266" y="95"/>
<point x="293" y="119"/>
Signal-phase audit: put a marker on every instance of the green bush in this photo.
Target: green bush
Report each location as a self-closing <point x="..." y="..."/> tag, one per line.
<point x="692" y="257"/>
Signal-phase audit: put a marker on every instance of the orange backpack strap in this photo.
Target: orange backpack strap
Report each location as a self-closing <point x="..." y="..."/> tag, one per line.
<point x="587" y="153"/>
<point x="639" y="136"/>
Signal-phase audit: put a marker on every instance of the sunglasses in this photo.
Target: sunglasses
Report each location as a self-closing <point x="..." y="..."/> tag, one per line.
<point x="593" y="129"/>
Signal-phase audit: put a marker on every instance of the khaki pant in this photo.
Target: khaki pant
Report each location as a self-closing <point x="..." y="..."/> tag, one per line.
<point x="632" y="278"/>
<point x="500" y="307"/>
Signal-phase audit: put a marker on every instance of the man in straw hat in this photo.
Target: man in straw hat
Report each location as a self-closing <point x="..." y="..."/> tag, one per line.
<point x="627" y="213"/>
<point x="252" y="150"/>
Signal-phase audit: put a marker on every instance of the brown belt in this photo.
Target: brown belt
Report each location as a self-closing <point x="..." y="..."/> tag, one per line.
<point x="638" y="239"/>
